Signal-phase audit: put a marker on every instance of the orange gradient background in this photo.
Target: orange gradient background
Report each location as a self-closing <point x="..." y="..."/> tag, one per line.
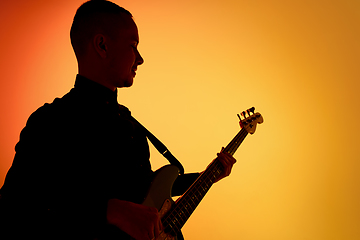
<point x="297" y="62"/>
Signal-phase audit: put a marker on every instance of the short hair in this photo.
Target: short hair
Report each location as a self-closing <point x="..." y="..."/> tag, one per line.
<point x="92" y="17"/>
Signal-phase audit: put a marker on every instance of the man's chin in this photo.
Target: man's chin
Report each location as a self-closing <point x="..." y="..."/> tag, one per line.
<point x="128" y="83"/>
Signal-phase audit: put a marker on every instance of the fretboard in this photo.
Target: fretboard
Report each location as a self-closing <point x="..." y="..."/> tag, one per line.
<point x="185" y="206"/>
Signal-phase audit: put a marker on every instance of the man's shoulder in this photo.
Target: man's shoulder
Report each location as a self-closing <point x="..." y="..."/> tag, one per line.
<point x="58" y="107"/>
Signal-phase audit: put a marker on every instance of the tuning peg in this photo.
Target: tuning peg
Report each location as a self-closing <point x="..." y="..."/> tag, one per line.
<point x="239" y="117"/>
<point x="243" y="114"/>
<point x="252" y="110"/>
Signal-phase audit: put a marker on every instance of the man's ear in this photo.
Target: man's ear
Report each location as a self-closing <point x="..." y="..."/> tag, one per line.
<point x="100" y="45"/>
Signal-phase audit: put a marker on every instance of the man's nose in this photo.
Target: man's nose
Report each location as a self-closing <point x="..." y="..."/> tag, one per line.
<point x="139" y="59"/>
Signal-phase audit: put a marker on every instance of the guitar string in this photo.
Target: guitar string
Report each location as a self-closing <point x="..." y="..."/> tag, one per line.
<point x="217" y="166"/>
<point x="214" y="170"/>
<point x="235" y="143"/>
<point x="198" y="193"/>
<point x="190" y="203"/>
<point x="209" y="176"/>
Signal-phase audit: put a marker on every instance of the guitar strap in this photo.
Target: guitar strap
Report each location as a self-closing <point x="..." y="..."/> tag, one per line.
<point x="154" y="140"/>
<point x="160" y="147"/>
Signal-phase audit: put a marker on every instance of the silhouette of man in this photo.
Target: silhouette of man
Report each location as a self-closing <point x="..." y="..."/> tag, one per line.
<point x="81" y="168"/>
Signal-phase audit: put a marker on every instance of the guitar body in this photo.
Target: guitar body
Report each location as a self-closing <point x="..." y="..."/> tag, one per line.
<point x="159" y="194"/>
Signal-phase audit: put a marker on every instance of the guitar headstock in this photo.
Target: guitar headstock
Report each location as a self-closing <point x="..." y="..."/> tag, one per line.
<point x="251" y="119"/>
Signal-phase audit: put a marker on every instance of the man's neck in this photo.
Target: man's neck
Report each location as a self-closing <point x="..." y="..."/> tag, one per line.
<point x="98" y="79"/>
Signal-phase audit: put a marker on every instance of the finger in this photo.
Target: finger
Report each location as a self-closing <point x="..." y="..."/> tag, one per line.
<point x="227" y="162"/>
<point x="157" y="228"/>
<point x="161" y="227"/>
<point x="151" y="234"/>
<point x="225" y="158"/>
<point x="228" y="157"/>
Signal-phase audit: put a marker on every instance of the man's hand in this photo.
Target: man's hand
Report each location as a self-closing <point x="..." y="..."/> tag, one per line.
<point x="139" y="221"/>
<point x="227" y="160"/>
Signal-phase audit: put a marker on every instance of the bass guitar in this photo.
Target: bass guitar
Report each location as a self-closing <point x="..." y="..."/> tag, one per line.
<point x="175" y="214"/>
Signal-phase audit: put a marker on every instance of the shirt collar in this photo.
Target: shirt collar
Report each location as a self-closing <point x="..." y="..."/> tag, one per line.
<point x="95" y="90"/>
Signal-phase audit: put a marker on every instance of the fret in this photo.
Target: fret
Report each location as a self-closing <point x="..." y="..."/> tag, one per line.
<point x="181" y="214"/>
<point x="181" y="220"/>
<point x="186" y="205"/>
<point x="176" y="227"/>
<point x="195" y="197"/>
<point x="187" y="211"/>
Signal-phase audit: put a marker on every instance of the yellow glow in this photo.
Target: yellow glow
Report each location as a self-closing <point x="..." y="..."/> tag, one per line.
<point x="297" y="62"/>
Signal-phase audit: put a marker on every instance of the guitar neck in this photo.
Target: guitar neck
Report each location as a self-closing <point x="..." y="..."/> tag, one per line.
<point x="185" y="206"/>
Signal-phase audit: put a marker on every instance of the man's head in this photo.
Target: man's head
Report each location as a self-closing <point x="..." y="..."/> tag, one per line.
<point x="105" y="38"/>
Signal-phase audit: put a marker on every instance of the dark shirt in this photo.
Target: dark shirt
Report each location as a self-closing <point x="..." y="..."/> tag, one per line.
<point x="73" y="156"/>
